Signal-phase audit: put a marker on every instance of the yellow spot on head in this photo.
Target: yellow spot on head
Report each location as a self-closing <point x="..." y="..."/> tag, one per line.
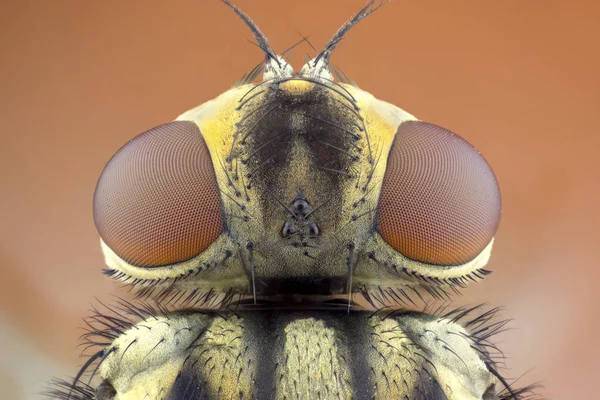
<point x="296" y="86"/>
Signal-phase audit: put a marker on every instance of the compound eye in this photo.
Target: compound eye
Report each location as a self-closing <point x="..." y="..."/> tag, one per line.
<point x="157" y="201"/>
<point x="440" y="202"/>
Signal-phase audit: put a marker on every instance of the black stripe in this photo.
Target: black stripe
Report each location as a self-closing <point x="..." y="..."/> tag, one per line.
<point x="259" y="334"/>
<point x="356" y="327"/>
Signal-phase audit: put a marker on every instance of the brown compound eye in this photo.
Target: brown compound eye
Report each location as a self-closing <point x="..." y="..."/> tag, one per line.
<point x="440" y="202"/>
<point x="157" y="201"/>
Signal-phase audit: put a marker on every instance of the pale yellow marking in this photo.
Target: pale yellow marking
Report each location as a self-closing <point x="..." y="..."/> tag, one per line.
<point x="296" y="87"/>
<point x="313" y="363"/>
<point x="407" y="348"/>
<point x="218" y="121"/>
<point x="145" y="360"/>
<point x="394" y="361"/>
<point x="223" y="360"/>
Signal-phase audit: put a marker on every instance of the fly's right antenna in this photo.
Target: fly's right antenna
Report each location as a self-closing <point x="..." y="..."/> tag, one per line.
<point x="319" y="66"/>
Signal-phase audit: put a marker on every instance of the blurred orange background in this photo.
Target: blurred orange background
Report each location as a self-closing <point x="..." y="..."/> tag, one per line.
<point x="518" y="79"/>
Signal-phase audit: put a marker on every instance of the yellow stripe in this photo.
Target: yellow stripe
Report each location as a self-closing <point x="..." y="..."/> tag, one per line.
<point x="313" y="363"/>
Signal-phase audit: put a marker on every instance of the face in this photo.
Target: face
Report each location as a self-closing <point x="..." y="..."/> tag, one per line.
<point x="294" y="192"/>
<point x="297" y="185"/>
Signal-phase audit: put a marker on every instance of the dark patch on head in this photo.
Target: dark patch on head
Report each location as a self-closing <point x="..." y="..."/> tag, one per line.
<point x="320" y="123"/>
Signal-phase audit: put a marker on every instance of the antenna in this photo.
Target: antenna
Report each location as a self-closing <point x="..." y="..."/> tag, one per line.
<point x="261" y="39"/>
<point x="320" y="64"/>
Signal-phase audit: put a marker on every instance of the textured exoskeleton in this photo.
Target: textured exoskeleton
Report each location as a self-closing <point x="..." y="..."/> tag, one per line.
<point x="280" y="237"/>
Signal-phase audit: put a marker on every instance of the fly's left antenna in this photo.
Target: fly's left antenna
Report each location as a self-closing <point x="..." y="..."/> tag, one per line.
<point x="261" y="39"/>
<point x="275" y="66"/>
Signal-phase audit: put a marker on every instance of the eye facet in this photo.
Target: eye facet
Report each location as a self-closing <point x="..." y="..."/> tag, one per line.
<point x="157" y="201"/>
<point x="440" y="202"/>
